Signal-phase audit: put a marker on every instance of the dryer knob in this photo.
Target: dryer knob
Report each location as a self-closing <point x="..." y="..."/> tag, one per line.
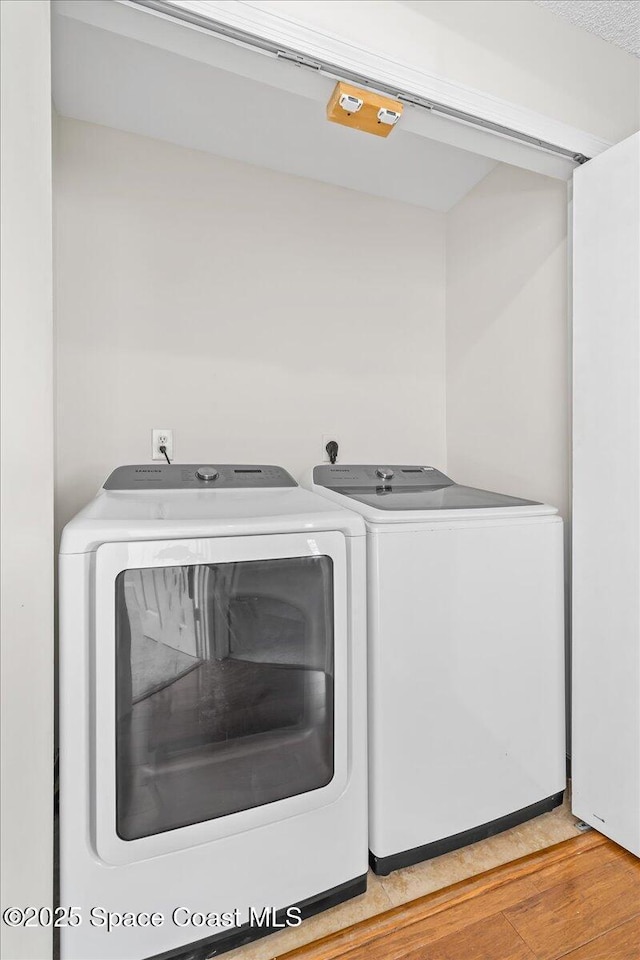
<point x="207" y="473"/>
<point x="385" y="473"/>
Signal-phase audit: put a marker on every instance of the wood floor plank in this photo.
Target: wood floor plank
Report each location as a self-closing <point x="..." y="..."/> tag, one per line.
<point x="572" y="913"/>
<point x="576" y="866"/>
<point x="490" y="939"/>
<point x="337" y="945"/>
<point x="445" y="923"/>
<point x="622" y="943"/>
<point x="438" y="910"/>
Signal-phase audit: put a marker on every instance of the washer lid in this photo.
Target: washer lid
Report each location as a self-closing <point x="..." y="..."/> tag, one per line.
<point x="451" y="497"/>
<point x="411" y="490"/>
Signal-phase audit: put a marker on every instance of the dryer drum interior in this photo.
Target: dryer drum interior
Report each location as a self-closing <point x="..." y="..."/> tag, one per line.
<point x="224" y="689"/>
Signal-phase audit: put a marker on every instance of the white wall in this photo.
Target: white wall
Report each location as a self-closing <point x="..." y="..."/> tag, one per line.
<point x="252" y="311"/>
<point x="514" y="50"/>
<point x="508" y="367"/>
<point x="508" y="391"/>
<point x="247" y="310"/>
<point x="26" y="506"/>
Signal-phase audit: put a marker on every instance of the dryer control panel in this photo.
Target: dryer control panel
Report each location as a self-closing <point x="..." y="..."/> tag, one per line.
<point x="341" y="477"/>
<point x="198" y="476"/>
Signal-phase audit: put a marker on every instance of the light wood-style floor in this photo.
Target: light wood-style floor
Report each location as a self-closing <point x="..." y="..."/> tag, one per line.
<point x="579" y="900"/>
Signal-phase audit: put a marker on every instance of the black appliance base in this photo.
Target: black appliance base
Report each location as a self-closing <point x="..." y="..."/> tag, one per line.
<point x="239" y="936"/>
<point x="384" y="865"/>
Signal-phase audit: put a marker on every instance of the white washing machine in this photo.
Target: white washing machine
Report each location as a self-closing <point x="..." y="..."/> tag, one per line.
<point x="466" y="658"/>
<point x="212" y="711"/>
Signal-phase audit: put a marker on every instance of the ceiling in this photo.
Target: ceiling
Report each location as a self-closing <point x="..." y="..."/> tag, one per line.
<point x="617" y="21"/>
<point x="107" y="78"/>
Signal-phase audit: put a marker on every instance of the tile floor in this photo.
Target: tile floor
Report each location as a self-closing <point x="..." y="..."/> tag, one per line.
<point x="412" y="882"/>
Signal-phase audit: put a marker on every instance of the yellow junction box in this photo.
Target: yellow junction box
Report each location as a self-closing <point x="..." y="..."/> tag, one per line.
<point x="366" y="118"/>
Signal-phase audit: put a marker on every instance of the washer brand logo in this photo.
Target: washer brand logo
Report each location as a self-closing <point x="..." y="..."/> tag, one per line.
<point x="150" y="470"/>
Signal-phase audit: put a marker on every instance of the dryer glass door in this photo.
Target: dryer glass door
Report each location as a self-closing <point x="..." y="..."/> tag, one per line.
<point x="224" y="689"/>
<point x="223" y="678"/>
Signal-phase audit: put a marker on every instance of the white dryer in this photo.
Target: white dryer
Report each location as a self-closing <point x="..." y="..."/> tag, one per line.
<point x="212" y="711"/>
<point x="466" y="658"/>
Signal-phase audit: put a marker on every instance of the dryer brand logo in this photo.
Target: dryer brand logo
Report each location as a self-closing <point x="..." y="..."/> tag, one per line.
<point x="150" y="470"/>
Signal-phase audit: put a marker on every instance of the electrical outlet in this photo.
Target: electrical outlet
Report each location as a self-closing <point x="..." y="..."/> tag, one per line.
<point x="161" y="438"/>
<point x="325" y="440"/>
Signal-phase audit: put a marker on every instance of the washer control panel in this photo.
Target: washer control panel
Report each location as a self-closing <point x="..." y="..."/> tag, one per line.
<point x="197" y="476"/>
<point x="341" y="477"/>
